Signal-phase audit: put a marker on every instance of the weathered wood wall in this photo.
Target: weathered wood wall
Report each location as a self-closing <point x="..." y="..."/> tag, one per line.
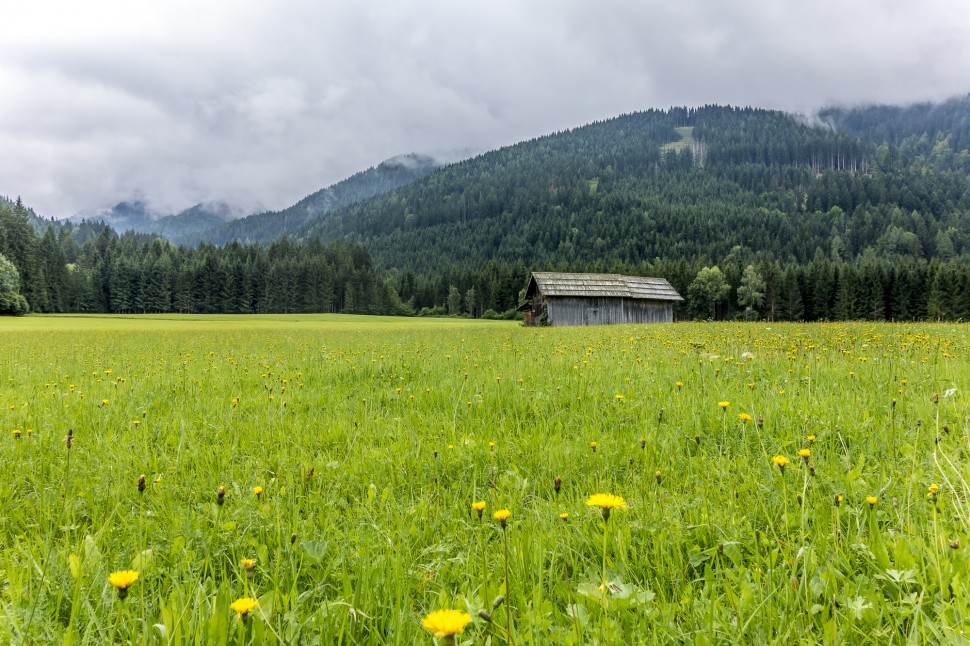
<point x="607" y="311"/>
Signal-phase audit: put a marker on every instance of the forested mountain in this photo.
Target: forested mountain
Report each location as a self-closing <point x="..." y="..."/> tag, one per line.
<point x="852" y="214"/>
<point x="617" y="191"/>
<point x="269" y="226"/>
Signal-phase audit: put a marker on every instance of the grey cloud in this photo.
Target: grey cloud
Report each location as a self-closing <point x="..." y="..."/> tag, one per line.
<point x="260" y="104"/>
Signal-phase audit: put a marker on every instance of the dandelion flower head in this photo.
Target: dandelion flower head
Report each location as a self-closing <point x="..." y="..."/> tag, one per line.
<point x="442" y="623"/>
<point x="244" y="605"/>
<point x="606" y="501"/>
<point x="123" y="579"/>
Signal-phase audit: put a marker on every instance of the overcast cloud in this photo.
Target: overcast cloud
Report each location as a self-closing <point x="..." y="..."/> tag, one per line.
<point x="262" y="103"/>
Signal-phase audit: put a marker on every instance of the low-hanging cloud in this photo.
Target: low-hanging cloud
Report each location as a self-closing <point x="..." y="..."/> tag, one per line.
<point x="260" y="104"/>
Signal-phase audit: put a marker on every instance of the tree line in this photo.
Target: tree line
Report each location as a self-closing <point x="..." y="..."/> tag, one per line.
<point x="71" y="268"/>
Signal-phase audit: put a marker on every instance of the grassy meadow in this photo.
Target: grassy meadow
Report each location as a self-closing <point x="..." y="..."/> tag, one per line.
<point x="325" y="468"/>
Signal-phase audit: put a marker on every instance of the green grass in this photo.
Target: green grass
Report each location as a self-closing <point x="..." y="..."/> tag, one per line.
<point x="686" y="140"/>
<point x="372" y="437"/>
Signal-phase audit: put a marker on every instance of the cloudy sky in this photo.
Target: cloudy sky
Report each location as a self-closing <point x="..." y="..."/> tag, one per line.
<point x="261" y="103"/>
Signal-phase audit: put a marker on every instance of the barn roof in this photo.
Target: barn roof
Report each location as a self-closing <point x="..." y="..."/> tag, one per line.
<point x="602" y="286"/>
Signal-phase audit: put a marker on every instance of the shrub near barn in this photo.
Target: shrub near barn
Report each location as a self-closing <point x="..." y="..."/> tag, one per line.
<point x="11" y="302"/>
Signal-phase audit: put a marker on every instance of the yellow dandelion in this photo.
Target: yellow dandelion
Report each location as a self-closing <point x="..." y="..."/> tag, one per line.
<point x="502" y="516"/>
<point x="491" y="445"/>
<point x="445" y="623"/>
<point x="780" y="461"/>
<point x="724" y="405"/>
<point x="810" y="438"/>
<point x="243" y="606"/>
<point x="805" y="454"/>
<point x="479" y="507"/>
<point x="16" y="433"/>
<point x="258" y="491"/>
<point x="619" y="396"/>
<point x="679" y="384"/>
<point x="593" y="446"/>
<point x="122" y="580"/>
<point x="872" y="500"/>
<point x="248" y="564"/>
<point x="564" y="516"/>
<point x="745" y="418"/>
<point x="607" y="502"/>
<point x="934" y="489"/>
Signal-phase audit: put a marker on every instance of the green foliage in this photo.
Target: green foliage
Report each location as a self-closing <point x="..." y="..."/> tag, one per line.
<point x="751" y="292"/>
<point x="9" y="277"/>
<point x="706" y="291"/>
<point x="13" y="304"/>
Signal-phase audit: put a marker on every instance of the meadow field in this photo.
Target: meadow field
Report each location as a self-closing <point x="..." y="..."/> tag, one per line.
<point x="338" y="480"/>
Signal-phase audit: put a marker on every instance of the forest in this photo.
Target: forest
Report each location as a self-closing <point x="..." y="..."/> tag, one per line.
<point x="859" y="213"/>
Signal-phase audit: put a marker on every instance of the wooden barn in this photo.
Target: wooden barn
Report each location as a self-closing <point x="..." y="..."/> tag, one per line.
<point x="597" y="299"/>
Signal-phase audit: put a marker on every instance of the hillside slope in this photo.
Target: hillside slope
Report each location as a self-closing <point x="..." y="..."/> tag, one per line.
<point x="618" y="192"/>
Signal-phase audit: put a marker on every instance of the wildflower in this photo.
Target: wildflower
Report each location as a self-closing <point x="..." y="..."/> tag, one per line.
<point x="122" y="580"/>
<point x="243" y="606"/>
<point x="136" y="422"/>
<point x="838" y="499"/>
<point x="872" y="500"/>
<point x="30" y="432"/>
<point x="502" y="516"/>
<point x="679" y="385"/>
<point x="593" y="446"/>
<point x="810" y="438"/>
<point x="658" y="476"/>
<point x="564" y="516"/>
<point x="220" y="495"/>
<point x="16" y="434"/>
<point x="248" y="564"/>
<point x="141" y="483"/>
<point x="446" y="623"/>
<point x="258" y="491"/>
<point x="745" y="418"/>
<point x="606" y="502"/>
<point x="780" y="461"/>
<point x="104" y="402"/>
<point x="479" y="507"/>
<point x="724" y="405"/>
<point x="618" y="396"/>
<point x="491" y="445"/>
<point x="933" y="489"/>
<point x="805" y="454"/>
